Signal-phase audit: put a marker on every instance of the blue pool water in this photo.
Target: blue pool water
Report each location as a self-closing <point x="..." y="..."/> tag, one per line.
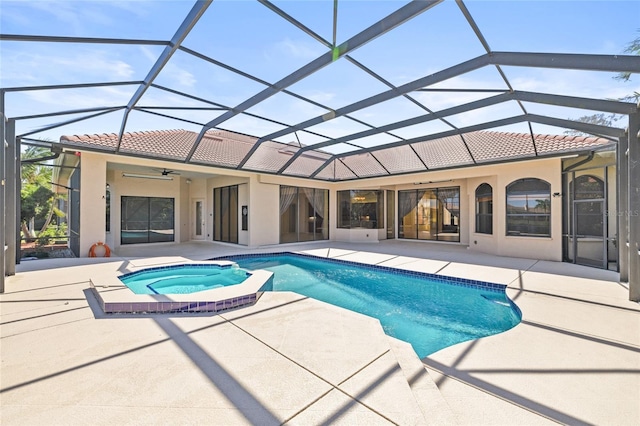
<point x="431" y="314"/>
<point x="183" y="279"/>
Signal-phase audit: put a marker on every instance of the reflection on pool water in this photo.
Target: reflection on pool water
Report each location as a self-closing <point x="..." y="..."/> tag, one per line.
<point x="183" y="279"/>
<point x="430" y="312"/>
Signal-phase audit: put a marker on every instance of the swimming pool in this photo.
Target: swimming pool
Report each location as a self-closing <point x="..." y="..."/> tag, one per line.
<point x="183" y="279"/>
<point x="430" y="312"/>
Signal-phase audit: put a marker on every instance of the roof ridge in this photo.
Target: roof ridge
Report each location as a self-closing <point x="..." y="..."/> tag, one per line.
<point x="132" y="133"/>
<point x="536" y="136"/>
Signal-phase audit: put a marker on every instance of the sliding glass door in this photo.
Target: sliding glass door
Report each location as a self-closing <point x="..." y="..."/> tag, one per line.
<point x="147" y="220"/>
<point x="225" y="214"/>
<point x="429" y="214"/>
<point x="304" y="214"/>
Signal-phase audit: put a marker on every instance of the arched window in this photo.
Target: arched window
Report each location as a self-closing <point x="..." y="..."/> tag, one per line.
<point x="529" y="208"/>
<point x="588" y="187"/>
<point x="484" y="209"/>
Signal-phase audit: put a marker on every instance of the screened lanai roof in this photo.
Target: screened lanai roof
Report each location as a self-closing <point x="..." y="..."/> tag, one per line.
<point x="227" y="149"/>
<point x="331" y="90"/>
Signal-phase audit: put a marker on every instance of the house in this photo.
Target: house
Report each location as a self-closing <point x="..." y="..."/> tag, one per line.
<point x="511" y="194"/>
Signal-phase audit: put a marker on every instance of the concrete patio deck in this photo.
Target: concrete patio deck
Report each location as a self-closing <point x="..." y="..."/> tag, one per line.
<point x="574" y="359"/>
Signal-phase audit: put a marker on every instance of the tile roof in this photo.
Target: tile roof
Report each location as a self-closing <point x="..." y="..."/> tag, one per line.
<point x="305" y="163"/>
<point x="443" y="152"/>
<point x="400" y="159"/>
<point x="551" y="144"/>
<point x="227" y="149"/>
<point x="222" y="150"/>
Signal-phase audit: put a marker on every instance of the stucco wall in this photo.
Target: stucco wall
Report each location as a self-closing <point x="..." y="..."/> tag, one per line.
<point x="486" y="243"/>
<point x="498" y="176"/>
<point x="264" y="213"/>
<point x="137" y="187"/>
<point x="93" y="186"/>
<point x="194" y="189"/>
<point x="183" y="204"/>
<point x="243" y="200"/>
<point x="261" y="193"/>
<point x="110" y="236"/>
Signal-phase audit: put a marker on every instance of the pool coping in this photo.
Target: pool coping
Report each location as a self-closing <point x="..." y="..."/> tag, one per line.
<point x="115" y="297"/>
<point x="444" y="279"/>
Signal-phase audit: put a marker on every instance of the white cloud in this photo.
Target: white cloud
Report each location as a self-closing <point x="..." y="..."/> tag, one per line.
<point x="299" y="48"/>
<point x="137" y="7"/>
<point x="75" y="15"/>
<point x="55" y="66"/>
<point x="596" y="85"/>
<point x="179" y="75"/>
<point x="148" y="53"/>
<point x="322" y="97"/>
<point x="80" y="98"/>
<point x="65" y="12"/>
<point x="15" y="16"/>
<point x="97" y="65"/>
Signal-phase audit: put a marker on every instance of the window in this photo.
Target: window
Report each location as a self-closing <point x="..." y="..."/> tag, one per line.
<point x="429" y="214"/>
<point x="587" y="187"/>
<point x="147" y="220"/>
<point x="108" y="210"/>
<point x="484" y="209"/>
<point x="304" y="214"/>
<point x="361" y="209"/>
<point x="588" y="197"/>
<point x="529" y="208"/>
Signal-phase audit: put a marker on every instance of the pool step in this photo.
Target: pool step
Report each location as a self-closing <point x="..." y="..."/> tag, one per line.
<point x="435" y="409"/>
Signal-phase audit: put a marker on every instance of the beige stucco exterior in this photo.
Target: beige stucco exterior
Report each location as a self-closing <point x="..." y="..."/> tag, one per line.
<point x="260" y="193"/>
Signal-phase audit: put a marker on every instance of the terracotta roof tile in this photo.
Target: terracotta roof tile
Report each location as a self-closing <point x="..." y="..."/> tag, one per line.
<point x="306" y="164"/>
<point x="444" y="152"/>
<point x="550" y="145"/>
<point x="341" y="171"/>
<point x="328" y="173"/>
<point x="492" y="146"/>
<point x="364" y="165"/>
<point x="227" y="149"/>
<point x="216" y="149"/>
<point x="86" y="140"/>
<point x="400" y="159"/>
<point x="174" y="144"/>
<point x="267" y="157"/>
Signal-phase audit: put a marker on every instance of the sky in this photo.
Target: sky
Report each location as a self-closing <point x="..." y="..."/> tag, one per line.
<point x="249" y="37"/>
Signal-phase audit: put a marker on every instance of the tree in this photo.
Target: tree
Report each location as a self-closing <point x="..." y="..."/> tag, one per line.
<point x="605" y="119"/>
<point x="37" y="199"/>
<point x="634" y="49"/>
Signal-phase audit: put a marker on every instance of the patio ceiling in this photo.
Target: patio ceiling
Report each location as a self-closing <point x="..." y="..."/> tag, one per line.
<point x="334" y="90"/>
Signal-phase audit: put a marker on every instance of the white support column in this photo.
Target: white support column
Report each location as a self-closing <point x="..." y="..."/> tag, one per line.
<point x="623" y="207"/>
<point x="634" y="206"/>
<point x="2" y="190"/>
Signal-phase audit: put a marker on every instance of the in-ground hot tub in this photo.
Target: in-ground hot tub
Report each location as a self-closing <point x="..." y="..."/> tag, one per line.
<point x="184" y="278"/>
<point x="227" y="287"/>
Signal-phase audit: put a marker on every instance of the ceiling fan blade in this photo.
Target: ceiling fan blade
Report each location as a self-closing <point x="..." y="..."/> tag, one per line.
<point x="165" y="172"/>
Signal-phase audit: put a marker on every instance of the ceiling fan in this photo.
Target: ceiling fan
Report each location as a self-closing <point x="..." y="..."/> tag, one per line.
<point x="166" y="172"/>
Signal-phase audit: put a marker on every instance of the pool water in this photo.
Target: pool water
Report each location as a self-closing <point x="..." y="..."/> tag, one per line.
<point x="183" y="279"/>
<point x="431" y="314"/>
